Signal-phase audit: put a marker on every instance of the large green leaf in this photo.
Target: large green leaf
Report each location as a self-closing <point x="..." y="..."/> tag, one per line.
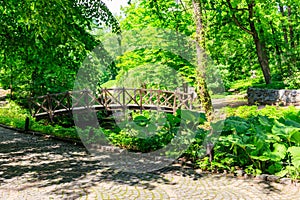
<point x="295" y="137"/>
<point x="285" y="131"/>
<point x="278" y="153"/>
<point x="295" y="152"/>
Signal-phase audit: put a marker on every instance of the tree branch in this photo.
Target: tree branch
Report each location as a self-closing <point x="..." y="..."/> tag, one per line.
<point x="236" y="20"/>
<point x="183" y="6"/>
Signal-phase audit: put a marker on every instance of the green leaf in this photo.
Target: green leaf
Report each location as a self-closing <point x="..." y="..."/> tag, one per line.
<point x="141" y="120"/>
<point x="278" y="153"/>
<point x="292" y="123"/>
<point x="264" y="121"/>
<point x="261" y="158"/>
<point x="285" y="131"/>
<point x="274" y="168"/>
<point x="295" y="152"/>
<point x="282" y="173"/>
<point x="295" y="137"/>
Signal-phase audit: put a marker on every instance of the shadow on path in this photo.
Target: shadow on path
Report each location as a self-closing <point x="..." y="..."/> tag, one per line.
<point x="42" y="162"/>
<point x="68" y="171"/>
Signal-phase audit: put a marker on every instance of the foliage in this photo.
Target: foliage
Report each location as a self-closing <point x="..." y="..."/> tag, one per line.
<point x="146" y="132"/>
<point x="160" y="59"/>
<point x="259" y="142"/>
<point x="44" y="43"/>
<point x="244" y="84"/>
<point x="293" y="81"/>
<point x="241" y="86"/>
<point x="264" y="141"/>
<point x="42" y="51"/>
<point x="151" y="76"/>
<point x="147" y="15"/>
<point x="14" y="116"/>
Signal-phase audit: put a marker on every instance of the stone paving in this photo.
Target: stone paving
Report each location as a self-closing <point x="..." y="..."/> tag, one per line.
<point x="35" y="167"/>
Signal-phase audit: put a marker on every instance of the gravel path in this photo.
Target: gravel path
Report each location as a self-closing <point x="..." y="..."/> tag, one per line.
<point x="35" y="168"/>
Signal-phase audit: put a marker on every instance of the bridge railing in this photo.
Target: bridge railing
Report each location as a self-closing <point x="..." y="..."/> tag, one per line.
<point x="111" y="99"/>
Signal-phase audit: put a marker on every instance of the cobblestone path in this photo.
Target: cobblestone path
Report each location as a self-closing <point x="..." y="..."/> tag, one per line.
<point x="35" y="168"/>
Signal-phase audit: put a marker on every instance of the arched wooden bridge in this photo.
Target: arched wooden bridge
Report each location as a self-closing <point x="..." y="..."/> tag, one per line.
<point x="112" y="99"/>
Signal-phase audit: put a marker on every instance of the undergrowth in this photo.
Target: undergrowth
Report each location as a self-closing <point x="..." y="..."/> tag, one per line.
<point x="257" y="141"/>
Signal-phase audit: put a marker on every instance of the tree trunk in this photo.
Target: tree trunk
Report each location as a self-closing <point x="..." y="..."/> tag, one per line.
<point x="260" y="47"/>
<point x="201" y="86"/>
<point x="259" y="44"/>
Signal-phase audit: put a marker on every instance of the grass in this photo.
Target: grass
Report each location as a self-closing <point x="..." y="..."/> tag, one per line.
<point x="241" y="86"/>
<point x="13" y="115"/>
<point x="275" y="112"/>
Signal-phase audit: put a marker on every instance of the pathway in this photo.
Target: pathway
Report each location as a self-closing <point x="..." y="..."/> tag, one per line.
<point x="35" y="167"/>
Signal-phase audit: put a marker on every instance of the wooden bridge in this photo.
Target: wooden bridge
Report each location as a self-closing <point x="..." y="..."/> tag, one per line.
<point x="111" y="99"/>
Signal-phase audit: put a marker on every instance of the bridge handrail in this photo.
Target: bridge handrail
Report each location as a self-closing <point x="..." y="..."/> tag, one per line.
<point x="51" y="104"/>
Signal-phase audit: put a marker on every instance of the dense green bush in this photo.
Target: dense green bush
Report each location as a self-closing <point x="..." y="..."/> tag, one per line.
<point x="148" y="131"/>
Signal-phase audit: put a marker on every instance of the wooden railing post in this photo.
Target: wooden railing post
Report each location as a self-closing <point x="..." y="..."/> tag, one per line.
<point x="123" y="100"/>
<point x="26" y="128"/>
<point x="50" y="111"/>
<point x="86" y="100"/>
<point x="191" y="101"/>
<point x="158" y="97"/>
<point x="174" y="102"/>
<point x="69" y="106"/>
<point x="30" y="107"/>
<point x="141" y="101"/>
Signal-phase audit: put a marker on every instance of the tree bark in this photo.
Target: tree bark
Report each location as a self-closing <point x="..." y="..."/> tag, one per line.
<point x="201" y="86"/>
<point x="259" y="44"/>
<point x="260" y="47"/>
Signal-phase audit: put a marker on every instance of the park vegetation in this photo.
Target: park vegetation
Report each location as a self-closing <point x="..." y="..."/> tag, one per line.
<point x="239" y="44"/>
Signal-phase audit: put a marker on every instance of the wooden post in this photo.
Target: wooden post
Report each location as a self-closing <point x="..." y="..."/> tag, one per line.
<point x="26" y="128"/>
<point x="69" y="106"/>
<point x="30" y="106"/>
<point x="185" y="87"/>
<point x="86" y="100"/>
<point x="191" y="101"/>
<point x="50" y="111"/>
<point x="141" y="101"/>
<point x="123" y="106"/>
<point x="210" y="151"/>
<point x="174" y="102"/>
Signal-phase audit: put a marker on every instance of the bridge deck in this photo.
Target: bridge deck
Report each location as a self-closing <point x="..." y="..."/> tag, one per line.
<point x="113" y="107"/>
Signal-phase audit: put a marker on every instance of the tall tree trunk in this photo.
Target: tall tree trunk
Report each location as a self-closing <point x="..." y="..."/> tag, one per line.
<point x="259" y="44"/>
<point x="201" y="86"/>
<point x="260" y="47"/>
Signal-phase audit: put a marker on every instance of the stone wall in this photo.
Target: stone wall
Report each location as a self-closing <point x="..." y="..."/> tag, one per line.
<point x="273" y="97"/>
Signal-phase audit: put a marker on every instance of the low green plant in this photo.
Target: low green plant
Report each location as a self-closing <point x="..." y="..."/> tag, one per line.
<point x="241" y="86"/>
<point x="15" y="116"/>
<point x="265" y="141"/>
<point x="148" y="131"/>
